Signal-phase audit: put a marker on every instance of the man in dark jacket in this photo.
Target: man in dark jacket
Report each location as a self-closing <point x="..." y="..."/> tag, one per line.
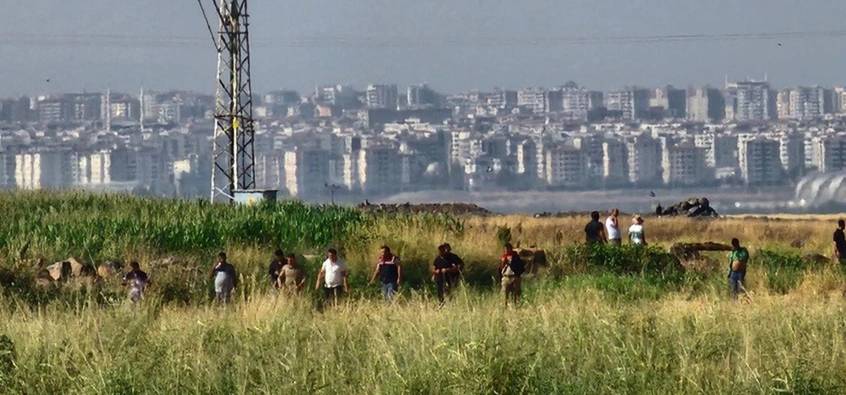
<point x="511" y="268"/>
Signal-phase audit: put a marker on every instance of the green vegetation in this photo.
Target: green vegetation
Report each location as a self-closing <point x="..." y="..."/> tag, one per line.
<point x="595" y="320"/>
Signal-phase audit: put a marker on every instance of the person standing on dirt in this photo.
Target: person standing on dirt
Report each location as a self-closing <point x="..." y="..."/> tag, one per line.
<point x="840" y="242"/>
<point x="225" y="279"/>
<point x="511" y="268"/>
<point x="612" y="228"/>
<point x="389" y="272"/>
<point x="738" y="261"/>
<point x="594" y="230"/>
<point x="454" y="277"/>
<point x="137" y="281"/>
<point x="443" y="268"/>
<point x="290" y="276"/>
<point x="275" y="265"/>
<point x="637" y="235"/>
<point x="334" y="275"/>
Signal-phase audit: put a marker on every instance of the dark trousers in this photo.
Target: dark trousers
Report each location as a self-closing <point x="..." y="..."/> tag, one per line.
<point x="442" y="285"/>
<point x="333" y="294"/>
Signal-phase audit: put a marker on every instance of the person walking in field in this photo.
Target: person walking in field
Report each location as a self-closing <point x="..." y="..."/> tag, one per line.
<point x="594" y="230"/>
<point x="637" y="235"/>
<point x="225" y="279"/>
<point x="511" y="268"/>
<point x="137" y="281"/>
<point x="840" y="242"/>
<point x="454" y="278"/>
<point x="290" y="277"/>
<point x="443" y="268"/>
<point x="612" y="228"/>
<point x="389" y="272"/>
<point x="276" y="264"/>
<point x="738" y="262"/>
<point x="334" y="274"/>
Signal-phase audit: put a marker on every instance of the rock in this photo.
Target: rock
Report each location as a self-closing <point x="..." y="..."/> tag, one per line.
<point x="71" y="267"/>
<point x="109" y="269"/>
<point x="60" y="270"/>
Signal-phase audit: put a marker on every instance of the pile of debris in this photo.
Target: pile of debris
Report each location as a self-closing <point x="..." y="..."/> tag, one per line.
<point x="534" y="258"/>
<point x="693" y="207"/>
<point x="686" y="252"/>
<point x="435" y="208"/>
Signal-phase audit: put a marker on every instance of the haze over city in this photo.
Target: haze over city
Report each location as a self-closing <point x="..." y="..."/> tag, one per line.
<point x="453" y="45"/>
<point x="520" y="107"/>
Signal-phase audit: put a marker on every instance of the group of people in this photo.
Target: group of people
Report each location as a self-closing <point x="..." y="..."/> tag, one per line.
<point x="286" y="275"/>
<point x="609" y="232"/>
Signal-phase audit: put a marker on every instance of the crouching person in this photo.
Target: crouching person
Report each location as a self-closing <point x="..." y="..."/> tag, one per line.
<point x="137" y="281"/>
<point x="511" y="268"/>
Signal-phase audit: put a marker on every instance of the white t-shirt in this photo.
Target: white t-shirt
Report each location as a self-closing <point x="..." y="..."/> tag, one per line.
<point x="333" y="273"/>
<point x="636" y="234"/>
<point x="612" y="230"/>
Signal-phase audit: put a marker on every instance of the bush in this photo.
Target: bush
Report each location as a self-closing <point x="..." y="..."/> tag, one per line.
<point x="784" y="270"/>
<point x="627" y="259"/>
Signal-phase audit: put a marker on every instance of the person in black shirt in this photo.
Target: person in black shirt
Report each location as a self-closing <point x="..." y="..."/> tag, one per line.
<point x="511" y="269"/>
<point x="595" y="230"/>
<point x="840" y="242"/>
<point x="454" y="278"/>
<point x="442" y="269"/>
<point x="137" y="281"/>
<point x="275" y="266"/>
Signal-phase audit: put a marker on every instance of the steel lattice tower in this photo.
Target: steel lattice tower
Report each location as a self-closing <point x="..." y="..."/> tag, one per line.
<point x="233" y="150"/>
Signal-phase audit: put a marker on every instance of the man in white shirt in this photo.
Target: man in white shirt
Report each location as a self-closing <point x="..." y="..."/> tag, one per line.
<point x="612" y="228"/>
<point x="334" y="275"/>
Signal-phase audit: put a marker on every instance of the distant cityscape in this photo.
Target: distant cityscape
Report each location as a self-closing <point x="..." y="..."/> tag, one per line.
<point x="383" y="140"/>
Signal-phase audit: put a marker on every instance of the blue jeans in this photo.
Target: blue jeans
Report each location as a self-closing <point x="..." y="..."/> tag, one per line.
<point x="736" y="283"/>
<point x="389" y="290"/>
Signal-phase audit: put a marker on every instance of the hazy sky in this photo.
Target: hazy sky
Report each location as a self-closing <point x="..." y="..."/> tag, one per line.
<point x="452" y="44"/>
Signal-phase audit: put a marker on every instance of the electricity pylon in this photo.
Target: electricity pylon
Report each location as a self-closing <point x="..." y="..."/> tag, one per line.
<point x="233" y="153"/>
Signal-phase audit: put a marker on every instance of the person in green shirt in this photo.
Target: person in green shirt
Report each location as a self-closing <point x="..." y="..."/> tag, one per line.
<point x="738" y="260"/>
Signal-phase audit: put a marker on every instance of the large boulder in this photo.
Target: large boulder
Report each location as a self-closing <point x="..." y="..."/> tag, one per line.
<point x="71" y="267"/>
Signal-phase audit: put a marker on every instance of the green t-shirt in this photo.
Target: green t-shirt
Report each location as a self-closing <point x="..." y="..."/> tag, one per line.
<point x="740" y="254"/>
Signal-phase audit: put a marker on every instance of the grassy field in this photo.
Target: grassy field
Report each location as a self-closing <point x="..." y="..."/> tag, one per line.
<point x="592" y="321"/>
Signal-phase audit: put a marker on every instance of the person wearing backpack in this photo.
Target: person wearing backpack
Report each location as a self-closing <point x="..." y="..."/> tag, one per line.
<point x="511" y="269"/>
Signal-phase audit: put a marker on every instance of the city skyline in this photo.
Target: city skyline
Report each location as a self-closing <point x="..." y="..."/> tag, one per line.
<point x="453" y="47"/>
